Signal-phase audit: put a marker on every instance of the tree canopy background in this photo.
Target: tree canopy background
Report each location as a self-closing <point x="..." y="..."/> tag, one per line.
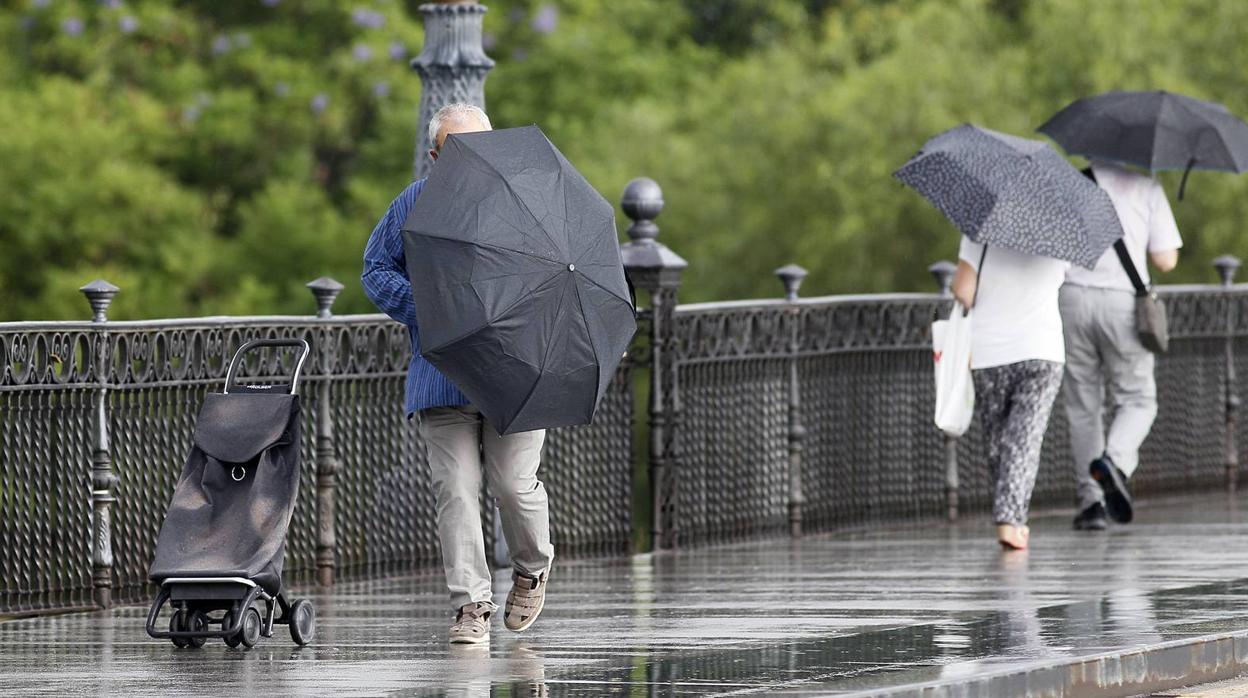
<point x="210" y="157"/>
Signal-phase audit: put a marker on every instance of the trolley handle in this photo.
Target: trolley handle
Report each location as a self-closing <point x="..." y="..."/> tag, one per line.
<point x="258" y="343"/>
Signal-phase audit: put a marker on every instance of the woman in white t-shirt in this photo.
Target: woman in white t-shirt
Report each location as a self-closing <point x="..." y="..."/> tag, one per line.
<point x="1017" y="356"/>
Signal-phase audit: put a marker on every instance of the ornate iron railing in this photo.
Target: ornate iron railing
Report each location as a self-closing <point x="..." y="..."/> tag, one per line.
<point x="81" y="499"/>
<point x="761" y="417"/>
<point x="817" y="413"/>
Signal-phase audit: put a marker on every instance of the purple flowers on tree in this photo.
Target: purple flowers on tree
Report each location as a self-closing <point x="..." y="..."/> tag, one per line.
<point x="361" y="53"/>
<point x="73" y="26"/>
<point x="546" y="19"/>
<point x="128" y="24"/>
<point x="221" y="45"/>
<point x="381" y="89"/>
<point x="192" y="113"/>
<point x="369" y="19"/>
<point x="397" y="50"/>
<point x="319" y="103"/>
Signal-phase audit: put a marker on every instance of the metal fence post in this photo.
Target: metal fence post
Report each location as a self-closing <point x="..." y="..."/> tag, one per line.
<point x="654" y="268"/>
<point x="943" y="272"/>
<point x="100" y="294"/>
<point x="452" y="66"/>
<point x="791" y="276"/>
<point x="1227" y="265"/>
<point x="325" y="290"/>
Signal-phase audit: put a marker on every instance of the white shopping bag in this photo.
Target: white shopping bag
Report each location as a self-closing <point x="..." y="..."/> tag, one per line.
<point x="951" y="352"/>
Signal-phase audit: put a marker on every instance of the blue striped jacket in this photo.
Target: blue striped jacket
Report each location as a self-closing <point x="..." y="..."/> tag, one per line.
<point x="386" y="284"/>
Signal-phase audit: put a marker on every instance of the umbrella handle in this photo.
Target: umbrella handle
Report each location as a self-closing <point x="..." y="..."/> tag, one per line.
<point x="1183" y="184"/>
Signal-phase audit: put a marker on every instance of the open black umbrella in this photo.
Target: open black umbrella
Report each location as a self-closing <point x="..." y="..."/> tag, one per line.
<point x="520" y="292"/>
<point x="1155" y="130"/>
<point x="1014" y="192"/>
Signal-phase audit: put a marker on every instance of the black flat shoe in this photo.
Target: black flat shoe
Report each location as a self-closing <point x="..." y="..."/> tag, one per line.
<point x="1091" y="519"/>
<point x="1114" y="483"/>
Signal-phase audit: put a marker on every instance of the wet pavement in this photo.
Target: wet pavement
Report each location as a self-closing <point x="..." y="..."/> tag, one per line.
<point x="835" y="614"/>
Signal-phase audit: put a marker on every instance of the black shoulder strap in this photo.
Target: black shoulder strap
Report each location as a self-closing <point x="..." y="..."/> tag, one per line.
<point x="1120" y="246"/>
<point x="978" y="271"/>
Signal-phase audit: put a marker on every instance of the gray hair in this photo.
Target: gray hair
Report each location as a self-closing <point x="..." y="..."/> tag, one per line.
<point x="454" y="112"/>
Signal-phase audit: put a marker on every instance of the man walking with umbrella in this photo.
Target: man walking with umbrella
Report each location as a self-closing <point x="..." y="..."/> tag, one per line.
<point x="1103" y="346"/>
<point x="460" y="444"/>
<point x="1153" y="130"/>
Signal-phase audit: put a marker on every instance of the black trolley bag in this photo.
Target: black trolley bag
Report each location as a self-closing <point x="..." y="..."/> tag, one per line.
<point x="220" y="549"/>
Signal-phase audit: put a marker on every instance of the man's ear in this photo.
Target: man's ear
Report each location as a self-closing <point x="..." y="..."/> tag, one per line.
<point x="433" y="154"/>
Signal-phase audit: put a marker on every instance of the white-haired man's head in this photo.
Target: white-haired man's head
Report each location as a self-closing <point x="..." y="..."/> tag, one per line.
<point x="455" y="118"/>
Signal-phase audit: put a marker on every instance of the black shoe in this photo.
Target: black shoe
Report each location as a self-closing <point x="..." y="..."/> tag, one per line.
<point x="1091" y="519"/>
<point x="1114" y="483"/>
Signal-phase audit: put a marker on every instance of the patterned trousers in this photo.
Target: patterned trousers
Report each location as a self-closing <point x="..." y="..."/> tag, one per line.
<point x="1013" y="403"/>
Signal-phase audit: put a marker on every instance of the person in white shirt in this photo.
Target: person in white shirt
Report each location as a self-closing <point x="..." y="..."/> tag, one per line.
<point x="1017" y="352"/>
<point x="1103" y="346"/>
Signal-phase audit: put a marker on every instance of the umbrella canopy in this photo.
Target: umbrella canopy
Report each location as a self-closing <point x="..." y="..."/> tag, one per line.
<point x="1014" y="192"/>
<point x="520" y="293"/>
<point x="1155" y="130"/>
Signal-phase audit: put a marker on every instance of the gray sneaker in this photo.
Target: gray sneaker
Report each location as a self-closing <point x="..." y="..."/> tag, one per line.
<point x="524" y="601"/>
<point x="472" y="624"/>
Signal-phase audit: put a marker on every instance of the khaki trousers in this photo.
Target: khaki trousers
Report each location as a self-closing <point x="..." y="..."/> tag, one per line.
<point x="461" y="444"/>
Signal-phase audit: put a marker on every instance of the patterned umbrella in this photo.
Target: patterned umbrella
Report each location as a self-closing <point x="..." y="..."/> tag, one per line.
<point x="1155" y="130"/>
<point x="1014" y="192"/>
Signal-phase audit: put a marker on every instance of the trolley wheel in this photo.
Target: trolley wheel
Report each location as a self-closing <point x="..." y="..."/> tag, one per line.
<point x="197" y="622"/>
<point x="226" y="622"/>
<point x="302" y="622"/>
<point x="175" y="625"/>
<point x="250" y="634"/>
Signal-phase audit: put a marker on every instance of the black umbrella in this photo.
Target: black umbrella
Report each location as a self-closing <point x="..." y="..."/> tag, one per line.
<point x="520" y="292"/>
<point x="1154" y="130"/>
<point x="1014" y="192"/>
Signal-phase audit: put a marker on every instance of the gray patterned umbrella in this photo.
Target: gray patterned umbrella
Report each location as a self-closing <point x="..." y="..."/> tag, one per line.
<point x="1013" y="192"/>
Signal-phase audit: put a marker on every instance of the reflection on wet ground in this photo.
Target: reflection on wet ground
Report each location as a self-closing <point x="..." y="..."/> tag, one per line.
<point x="824" y="615"/>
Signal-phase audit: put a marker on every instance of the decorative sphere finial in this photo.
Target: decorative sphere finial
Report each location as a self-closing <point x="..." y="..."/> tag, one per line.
<point x="642" y="201"/>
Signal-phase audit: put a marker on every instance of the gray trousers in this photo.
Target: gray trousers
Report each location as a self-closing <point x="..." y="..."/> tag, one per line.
<point x="461" y="444"/>
<point x="1103" y="349"/>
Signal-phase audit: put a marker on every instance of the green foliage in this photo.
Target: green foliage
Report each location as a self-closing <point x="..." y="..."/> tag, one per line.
<point x="211" y="157"/>
<point x="207" y="157"/>
<point x="782" y="150"/>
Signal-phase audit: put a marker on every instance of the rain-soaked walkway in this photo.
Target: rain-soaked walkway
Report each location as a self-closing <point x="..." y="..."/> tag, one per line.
<point x="835" y="614"/>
